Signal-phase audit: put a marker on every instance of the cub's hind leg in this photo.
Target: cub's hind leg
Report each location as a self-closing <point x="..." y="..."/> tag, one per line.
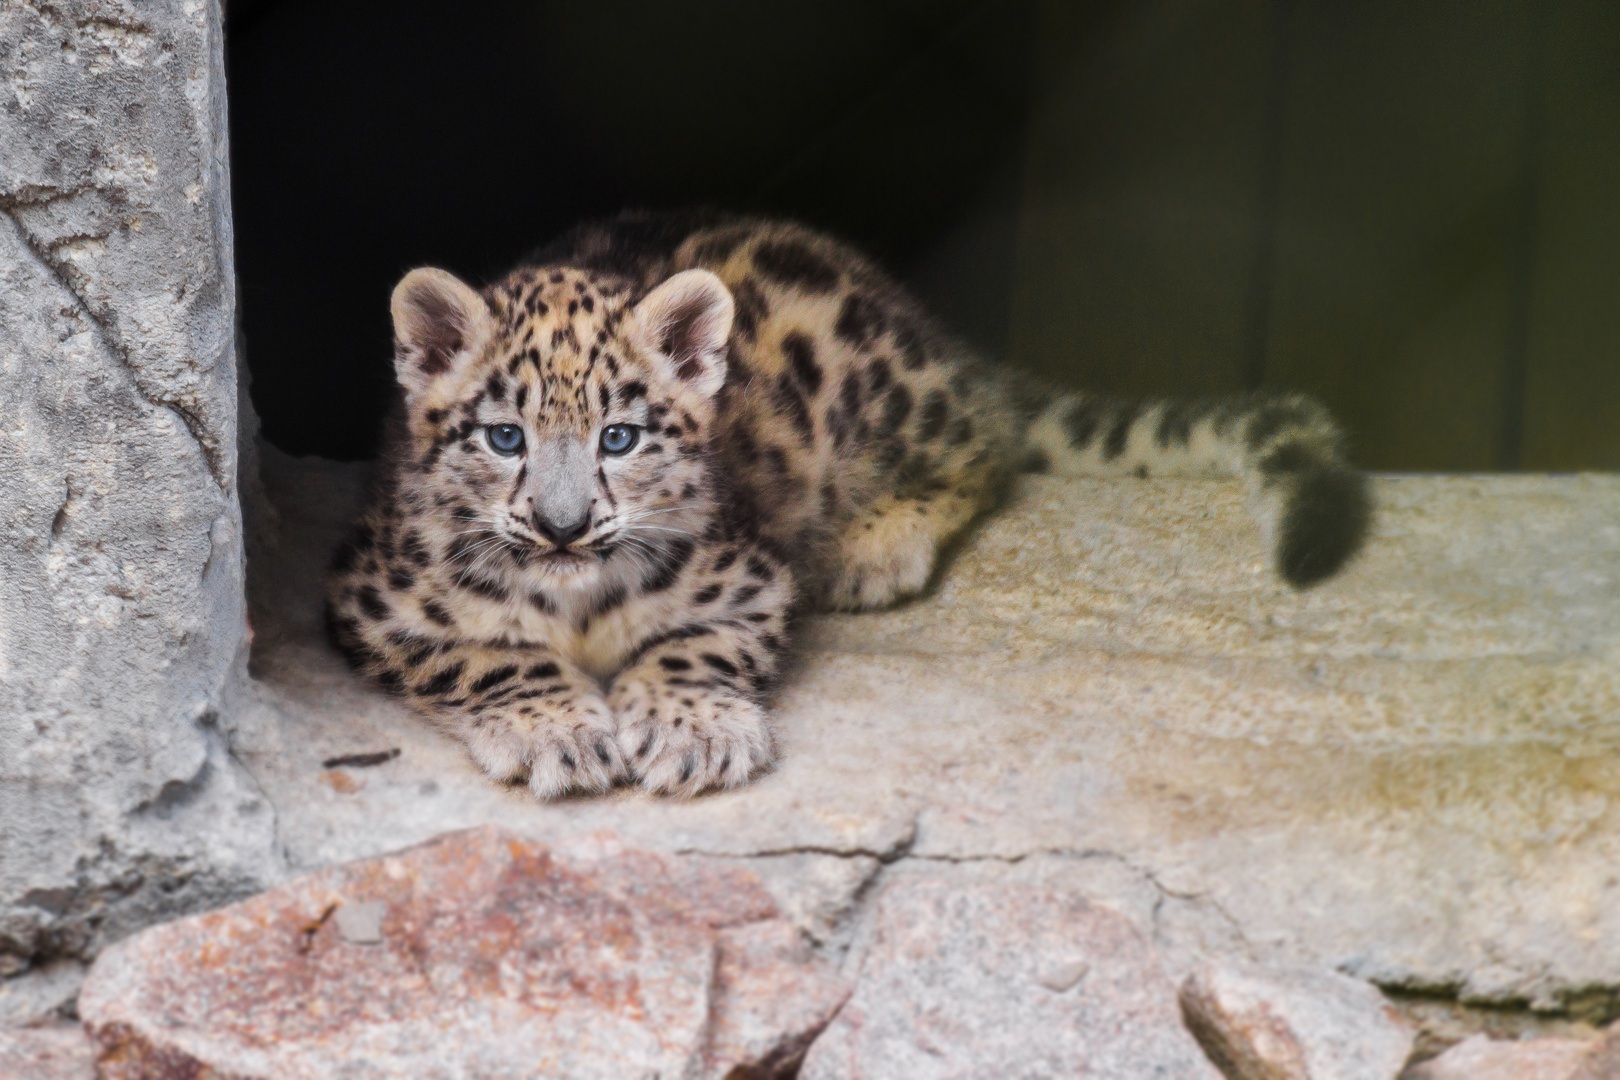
<point x="960" y="450"/>
<point x="887" y="553"/>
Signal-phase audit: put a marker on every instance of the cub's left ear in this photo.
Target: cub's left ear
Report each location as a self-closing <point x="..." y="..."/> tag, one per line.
<point x="684" y="323"/>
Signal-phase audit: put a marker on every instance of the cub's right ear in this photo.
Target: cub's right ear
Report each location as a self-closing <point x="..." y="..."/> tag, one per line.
<point x="439" y="323"/>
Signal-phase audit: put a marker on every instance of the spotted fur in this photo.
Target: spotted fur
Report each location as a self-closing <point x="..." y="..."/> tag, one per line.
<point x="807" y="435"/>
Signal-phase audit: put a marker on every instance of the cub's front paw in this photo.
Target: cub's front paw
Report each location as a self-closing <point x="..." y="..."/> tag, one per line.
<point x="684" y="740"/>
<point x="561" y="747"/>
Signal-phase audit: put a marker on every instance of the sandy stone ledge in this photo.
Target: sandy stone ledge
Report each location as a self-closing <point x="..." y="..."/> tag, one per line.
<point x="1407" y="774"/>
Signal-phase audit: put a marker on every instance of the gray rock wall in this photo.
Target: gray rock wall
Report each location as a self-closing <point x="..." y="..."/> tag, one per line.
<point x="122" y="622"/>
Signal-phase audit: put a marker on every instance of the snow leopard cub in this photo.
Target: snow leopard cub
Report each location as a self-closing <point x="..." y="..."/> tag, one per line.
<point x="624" y="466"/>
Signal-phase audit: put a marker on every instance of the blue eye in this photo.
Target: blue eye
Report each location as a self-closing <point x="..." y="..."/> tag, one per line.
<point x="505" y="439"/>
<point x="619" y="438"/>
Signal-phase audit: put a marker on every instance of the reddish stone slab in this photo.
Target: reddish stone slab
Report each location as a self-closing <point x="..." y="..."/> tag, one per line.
<point x="51" y="1053"/>
<point x="498" y="957"/>
<point x="56" y="1052"/>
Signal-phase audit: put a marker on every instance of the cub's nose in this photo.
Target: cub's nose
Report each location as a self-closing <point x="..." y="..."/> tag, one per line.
<point x="562" y="533"/>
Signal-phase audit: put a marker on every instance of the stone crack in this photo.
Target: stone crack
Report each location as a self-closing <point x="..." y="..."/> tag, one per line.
<point x="39" y="196"/>
<point x="903" y="852"/>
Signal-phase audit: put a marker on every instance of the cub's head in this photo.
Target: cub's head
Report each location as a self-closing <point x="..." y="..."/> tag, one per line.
<point x="557" y="425"/>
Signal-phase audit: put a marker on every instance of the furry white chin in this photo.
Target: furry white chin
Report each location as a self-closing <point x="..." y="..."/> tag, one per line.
<point x="564" y="563"/>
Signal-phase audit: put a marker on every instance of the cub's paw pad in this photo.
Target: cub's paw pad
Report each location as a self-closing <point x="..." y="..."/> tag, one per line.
<point x="686" y="744"/>
<point x="561" y="750"/>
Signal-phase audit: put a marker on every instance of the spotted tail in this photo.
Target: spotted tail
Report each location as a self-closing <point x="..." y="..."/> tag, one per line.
<point x="1288" y="451"/>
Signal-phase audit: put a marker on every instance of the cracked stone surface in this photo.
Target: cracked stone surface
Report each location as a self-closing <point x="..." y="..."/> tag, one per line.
<point x="959" y="980"/>
<point x="121" y="598"/>
<point x="1407" y="774"/>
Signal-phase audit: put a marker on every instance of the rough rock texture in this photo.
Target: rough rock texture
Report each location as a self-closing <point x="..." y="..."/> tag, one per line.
<point x="480" y="954"/>
<point x="1299" y="1024"/>
<point x="121" y="606"/>
<point x="49" y="1053"/>
<point x="1482" y="1058"/>
<point x="40" y="995"/>
<point x="1603" y="1063"/>
<point x="1443" y="1023"/>
<point x="772" y="998"/>
<point x="1409" y="774"/>
<point x="1005" y="980"/>
<point x="817" y="893"/>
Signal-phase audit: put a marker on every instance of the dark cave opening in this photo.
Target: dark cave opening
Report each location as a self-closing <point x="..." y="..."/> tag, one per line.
<point x="368" y="138"/>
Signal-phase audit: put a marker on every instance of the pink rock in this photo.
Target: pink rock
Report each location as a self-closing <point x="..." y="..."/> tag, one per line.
<point x="977" y="980"/>
<point x="58" y="1052"/>
<point x="1602" y="1061"/>
<point x="1294" y="1024"/>
<point x="1482" y="1058"/>
<point x="479" y="954"/>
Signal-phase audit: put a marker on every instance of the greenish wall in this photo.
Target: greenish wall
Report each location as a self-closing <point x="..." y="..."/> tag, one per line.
<point x="1410" y="210"/>
<point x="1572" y="386"/>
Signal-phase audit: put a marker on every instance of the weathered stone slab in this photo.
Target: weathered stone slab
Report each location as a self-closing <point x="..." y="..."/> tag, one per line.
<point x="1408" y="774"/>
<point x="121" y="577"/>
<point x="983" y="980"/>
<point x="1298" y="1024"/>
<point x="480" y="954"/>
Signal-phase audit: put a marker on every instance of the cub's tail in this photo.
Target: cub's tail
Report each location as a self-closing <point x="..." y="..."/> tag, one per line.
<point x="1314" y="507"/>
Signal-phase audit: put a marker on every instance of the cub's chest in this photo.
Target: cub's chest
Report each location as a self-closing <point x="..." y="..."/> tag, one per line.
<point x="601" y="643"/>
<point x="595" y="632"/>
